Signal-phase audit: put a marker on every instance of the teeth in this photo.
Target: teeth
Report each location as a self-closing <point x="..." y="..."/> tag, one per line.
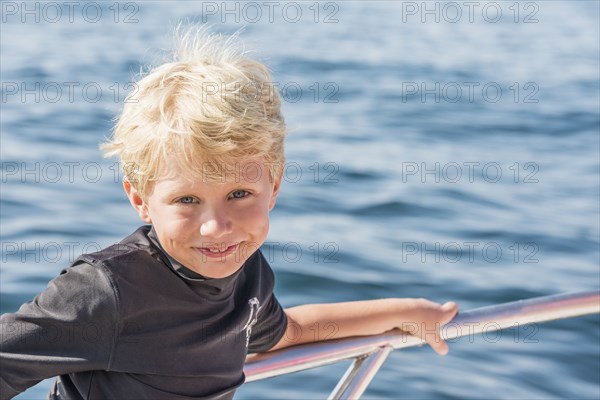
<point x="215" y="251"/>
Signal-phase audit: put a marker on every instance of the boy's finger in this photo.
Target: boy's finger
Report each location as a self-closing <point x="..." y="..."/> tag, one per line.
<point x="449" y="305"/>
<point x="439" y="345"/>
<point x="450" y="309"/>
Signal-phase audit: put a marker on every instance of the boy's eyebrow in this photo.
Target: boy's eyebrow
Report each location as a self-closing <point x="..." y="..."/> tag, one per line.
<point x="188" y="188"/>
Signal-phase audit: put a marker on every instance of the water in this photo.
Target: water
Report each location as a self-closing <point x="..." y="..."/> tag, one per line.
<point x="447" y="160"/>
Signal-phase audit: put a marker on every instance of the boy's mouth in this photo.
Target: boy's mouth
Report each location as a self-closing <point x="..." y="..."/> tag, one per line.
<point x="218" y="252"/>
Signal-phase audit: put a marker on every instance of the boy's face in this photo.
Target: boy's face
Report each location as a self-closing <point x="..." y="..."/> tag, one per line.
<point x="210" y="227"/>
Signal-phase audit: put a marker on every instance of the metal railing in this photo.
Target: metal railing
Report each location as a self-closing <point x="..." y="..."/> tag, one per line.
<point x="369" y="352"/>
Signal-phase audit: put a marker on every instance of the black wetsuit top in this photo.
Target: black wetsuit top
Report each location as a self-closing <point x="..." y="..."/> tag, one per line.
<point x="129" y="322"/>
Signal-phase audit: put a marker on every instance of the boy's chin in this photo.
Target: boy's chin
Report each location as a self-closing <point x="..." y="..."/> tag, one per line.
<point x="218" y="267"/>
<point x="217" y="272"/>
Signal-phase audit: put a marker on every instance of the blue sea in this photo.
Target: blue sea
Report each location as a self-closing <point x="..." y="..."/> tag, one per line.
<point x="446" y="150"/>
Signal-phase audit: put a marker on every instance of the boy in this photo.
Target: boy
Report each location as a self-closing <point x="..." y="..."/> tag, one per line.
<point x="172" y="310"/>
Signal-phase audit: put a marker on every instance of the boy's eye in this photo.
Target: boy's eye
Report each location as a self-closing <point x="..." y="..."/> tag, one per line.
<point x="238" y="194"/>
<point x="187" y="200"/>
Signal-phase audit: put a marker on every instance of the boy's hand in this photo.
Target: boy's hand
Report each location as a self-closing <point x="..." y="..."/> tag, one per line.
<point x="427" y="319"/>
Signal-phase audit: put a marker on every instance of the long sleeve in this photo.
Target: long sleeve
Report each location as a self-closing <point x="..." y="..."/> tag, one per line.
<point x="71" y="326"/>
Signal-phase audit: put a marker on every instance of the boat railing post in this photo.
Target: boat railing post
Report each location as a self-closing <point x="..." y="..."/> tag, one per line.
<point x="359" y="375"/>
<point x="370" y="352"/>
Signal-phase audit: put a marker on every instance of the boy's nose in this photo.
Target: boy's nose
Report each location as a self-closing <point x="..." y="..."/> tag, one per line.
<point x="215" y="225"/>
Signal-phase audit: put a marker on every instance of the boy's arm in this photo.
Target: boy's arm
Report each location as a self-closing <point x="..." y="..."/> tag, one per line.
<point x="68" y="327"/>
<point x="316" y="322"/>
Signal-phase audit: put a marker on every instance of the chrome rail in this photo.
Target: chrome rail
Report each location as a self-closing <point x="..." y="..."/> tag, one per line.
<point x="370" y="352"/>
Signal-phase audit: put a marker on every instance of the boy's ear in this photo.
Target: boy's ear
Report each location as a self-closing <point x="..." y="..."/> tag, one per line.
<point x="276" y="187"/>
<point x="136" y="201"/>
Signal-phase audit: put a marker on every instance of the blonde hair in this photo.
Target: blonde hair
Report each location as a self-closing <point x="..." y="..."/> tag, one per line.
<point x="209" y="105"/>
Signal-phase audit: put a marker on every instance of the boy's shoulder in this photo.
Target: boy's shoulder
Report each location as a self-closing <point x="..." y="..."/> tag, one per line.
<point x="134" y="260"/>
<point x="132" y="250"/>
